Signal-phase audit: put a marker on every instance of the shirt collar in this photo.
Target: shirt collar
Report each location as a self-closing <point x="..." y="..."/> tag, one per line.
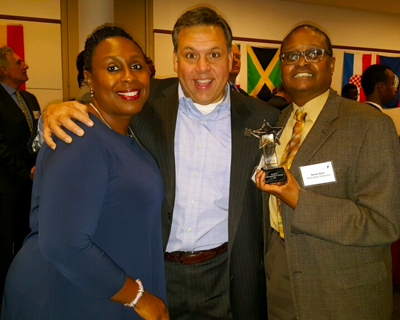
<point x="9" y="89"/>
<point x="187" y="105"/>
<point x="314" y="106"/>
<point x="374" y="105"/>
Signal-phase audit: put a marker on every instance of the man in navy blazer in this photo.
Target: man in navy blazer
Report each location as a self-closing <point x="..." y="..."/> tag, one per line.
<point x="17" y="164"/>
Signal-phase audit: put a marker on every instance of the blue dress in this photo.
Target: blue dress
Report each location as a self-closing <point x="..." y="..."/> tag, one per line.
<point x="95" y="218"/>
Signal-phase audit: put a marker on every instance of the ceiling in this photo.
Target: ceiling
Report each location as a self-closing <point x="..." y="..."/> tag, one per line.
<point x="385" y="6"/>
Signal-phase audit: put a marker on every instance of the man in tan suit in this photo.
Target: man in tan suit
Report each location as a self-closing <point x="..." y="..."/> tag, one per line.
<point x="340" y="206"/>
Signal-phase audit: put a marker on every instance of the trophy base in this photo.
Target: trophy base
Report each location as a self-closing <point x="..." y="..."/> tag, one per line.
<point x="274" y="175"/>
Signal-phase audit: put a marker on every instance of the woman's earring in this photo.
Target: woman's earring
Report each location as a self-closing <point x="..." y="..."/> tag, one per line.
<point x="91" y="92"/>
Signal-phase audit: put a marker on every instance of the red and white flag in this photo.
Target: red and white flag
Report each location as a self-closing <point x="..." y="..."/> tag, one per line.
<point x="354" y="65"/>
<point x="13" y="37"/>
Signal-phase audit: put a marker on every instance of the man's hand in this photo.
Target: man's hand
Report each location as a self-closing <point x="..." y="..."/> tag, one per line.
<point x="58" y="115"/>
<point x="287" y="192"/>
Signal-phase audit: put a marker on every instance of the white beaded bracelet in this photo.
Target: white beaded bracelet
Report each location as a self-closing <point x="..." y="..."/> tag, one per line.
<point x="138" y="296"/>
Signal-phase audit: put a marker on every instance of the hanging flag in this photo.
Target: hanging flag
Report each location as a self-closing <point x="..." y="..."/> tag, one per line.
<point x="13" y="37"/>
<point x="263" y="73"/>
<point x="394" y="64"/>
<point x="354" y="65"/>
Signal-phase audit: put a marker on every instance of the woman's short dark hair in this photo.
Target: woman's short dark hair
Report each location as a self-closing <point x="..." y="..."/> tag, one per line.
<point x="201" y="16"/>
<point x="100" y="34"/>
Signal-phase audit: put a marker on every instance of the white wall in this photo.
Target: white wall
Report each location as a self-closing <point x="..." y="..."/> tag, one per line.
<point x="273" y="19"/>
<point x="42" y="43"/>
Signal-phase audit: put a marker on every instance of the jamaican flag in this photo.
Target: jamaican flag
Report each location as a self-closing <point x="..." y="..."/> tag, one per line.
<point x="263" y="73"/>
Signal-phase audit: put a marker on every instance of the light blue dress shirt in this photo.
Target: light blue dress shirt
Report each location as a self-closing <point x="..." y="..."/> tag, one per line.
<point x="203" y="162"/>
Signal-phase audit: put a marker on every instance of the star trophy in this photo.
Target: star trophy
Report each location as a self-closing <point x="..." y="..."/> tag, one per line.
<point x="269" y="138"/>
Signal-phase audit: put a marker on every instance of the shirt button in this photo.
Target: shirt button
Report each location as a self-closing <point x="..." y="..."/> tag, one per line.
<point x="201" y="121"/>
<point x="193" y="202"/>
<point x="199" y="146"/>
<point x="189" y="229"/>
<point x="196" y="174"/>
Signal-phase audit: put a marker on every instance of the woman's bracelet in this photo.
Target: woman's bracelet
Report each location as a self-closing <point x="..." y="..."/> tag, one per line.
<point x="138" y="296"/>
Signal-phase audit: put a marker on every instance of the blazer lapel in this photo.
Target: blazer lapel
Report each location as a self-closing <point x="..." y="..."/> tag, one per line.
<point x="284" y="117"/>
<point x="319" y="133"/>
<point x="166" y="109"/>
<point x="32" y="105"/>
<point x="10" y="103"/>
<point x="241" y="149"/>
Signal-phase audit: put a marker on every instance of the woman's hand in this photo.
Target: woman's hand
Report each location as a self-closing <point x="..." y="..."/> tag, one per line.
<point x="148" y="306"/>
<point x="58" y="115"/>
<point x="287" y="192"/>
<point x="151" y="307"/>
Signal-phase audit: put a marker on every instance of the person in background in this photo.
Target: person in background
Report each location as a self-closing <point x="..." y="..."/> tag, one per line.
<point x="19" y="111"/>
<point x="236" y="64"/>
<point x="380" y="85"/>
<point x="330" y="226"/>
<point x="95" y="221"/>
<point x="280" y="98"/>
<point x="350" y="91"/>
<point x="212" y="212"/>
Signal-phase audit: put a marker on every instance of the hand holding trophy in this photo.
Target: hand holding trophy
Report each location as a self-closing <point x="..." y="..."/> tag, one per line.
<point x="269" y="138"/>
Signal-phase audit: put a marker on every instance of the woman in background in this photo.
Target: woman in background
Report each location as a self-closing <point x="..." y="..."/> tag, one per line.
<point x="96" y="206"/>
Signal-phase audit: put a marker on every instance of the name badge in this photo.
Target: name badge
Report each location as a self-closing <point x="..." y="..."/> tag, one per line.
<point x="319" y="173"/>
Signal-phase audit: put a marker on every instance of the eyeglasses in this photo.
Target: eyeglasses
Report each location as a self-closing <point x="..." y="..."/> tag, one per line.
<point x="395" y="82"/>
<point x="310" y="55"/>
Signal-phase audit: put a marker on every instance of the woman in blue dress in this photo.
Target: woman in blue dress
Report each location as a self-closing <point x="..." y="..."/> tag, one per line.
<point x="96" y="204"/>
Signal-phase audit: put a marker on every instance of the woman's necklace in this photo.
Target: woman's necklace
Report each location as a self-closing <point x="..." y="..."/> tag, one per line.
<point x="130" y="131"/>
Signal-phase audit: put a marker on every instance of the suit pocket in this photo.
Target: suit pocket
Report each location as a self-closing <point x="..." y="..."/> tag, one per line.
<point x="361" y="275"/>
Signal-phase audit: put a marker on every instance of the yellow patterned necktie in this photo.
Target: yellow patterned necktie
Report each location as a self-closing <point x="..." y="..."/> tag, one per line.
<point x="24" y="110"/>
<point x="288" y="155"/>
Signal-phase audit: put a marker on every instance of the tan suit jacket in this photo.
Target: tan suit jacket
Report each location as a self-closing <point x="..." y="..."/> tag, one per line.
<point x="338" y="237"/>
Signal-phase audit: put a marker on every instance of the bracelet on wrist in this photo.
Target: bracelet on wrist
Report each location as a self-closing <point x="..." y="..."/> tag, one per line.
<point x="133" y="303"/>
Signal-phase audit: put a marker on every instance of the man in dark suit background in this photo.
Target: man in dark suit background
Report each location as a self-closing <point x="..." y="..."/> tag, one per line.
<point x="380" y="85"/>
<point x="19" y="111"/>
<point x="280" y="98"/>
<point x="340" y="205"/>
<point x="236" y="65"/>
<point x="212" y="212"/>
